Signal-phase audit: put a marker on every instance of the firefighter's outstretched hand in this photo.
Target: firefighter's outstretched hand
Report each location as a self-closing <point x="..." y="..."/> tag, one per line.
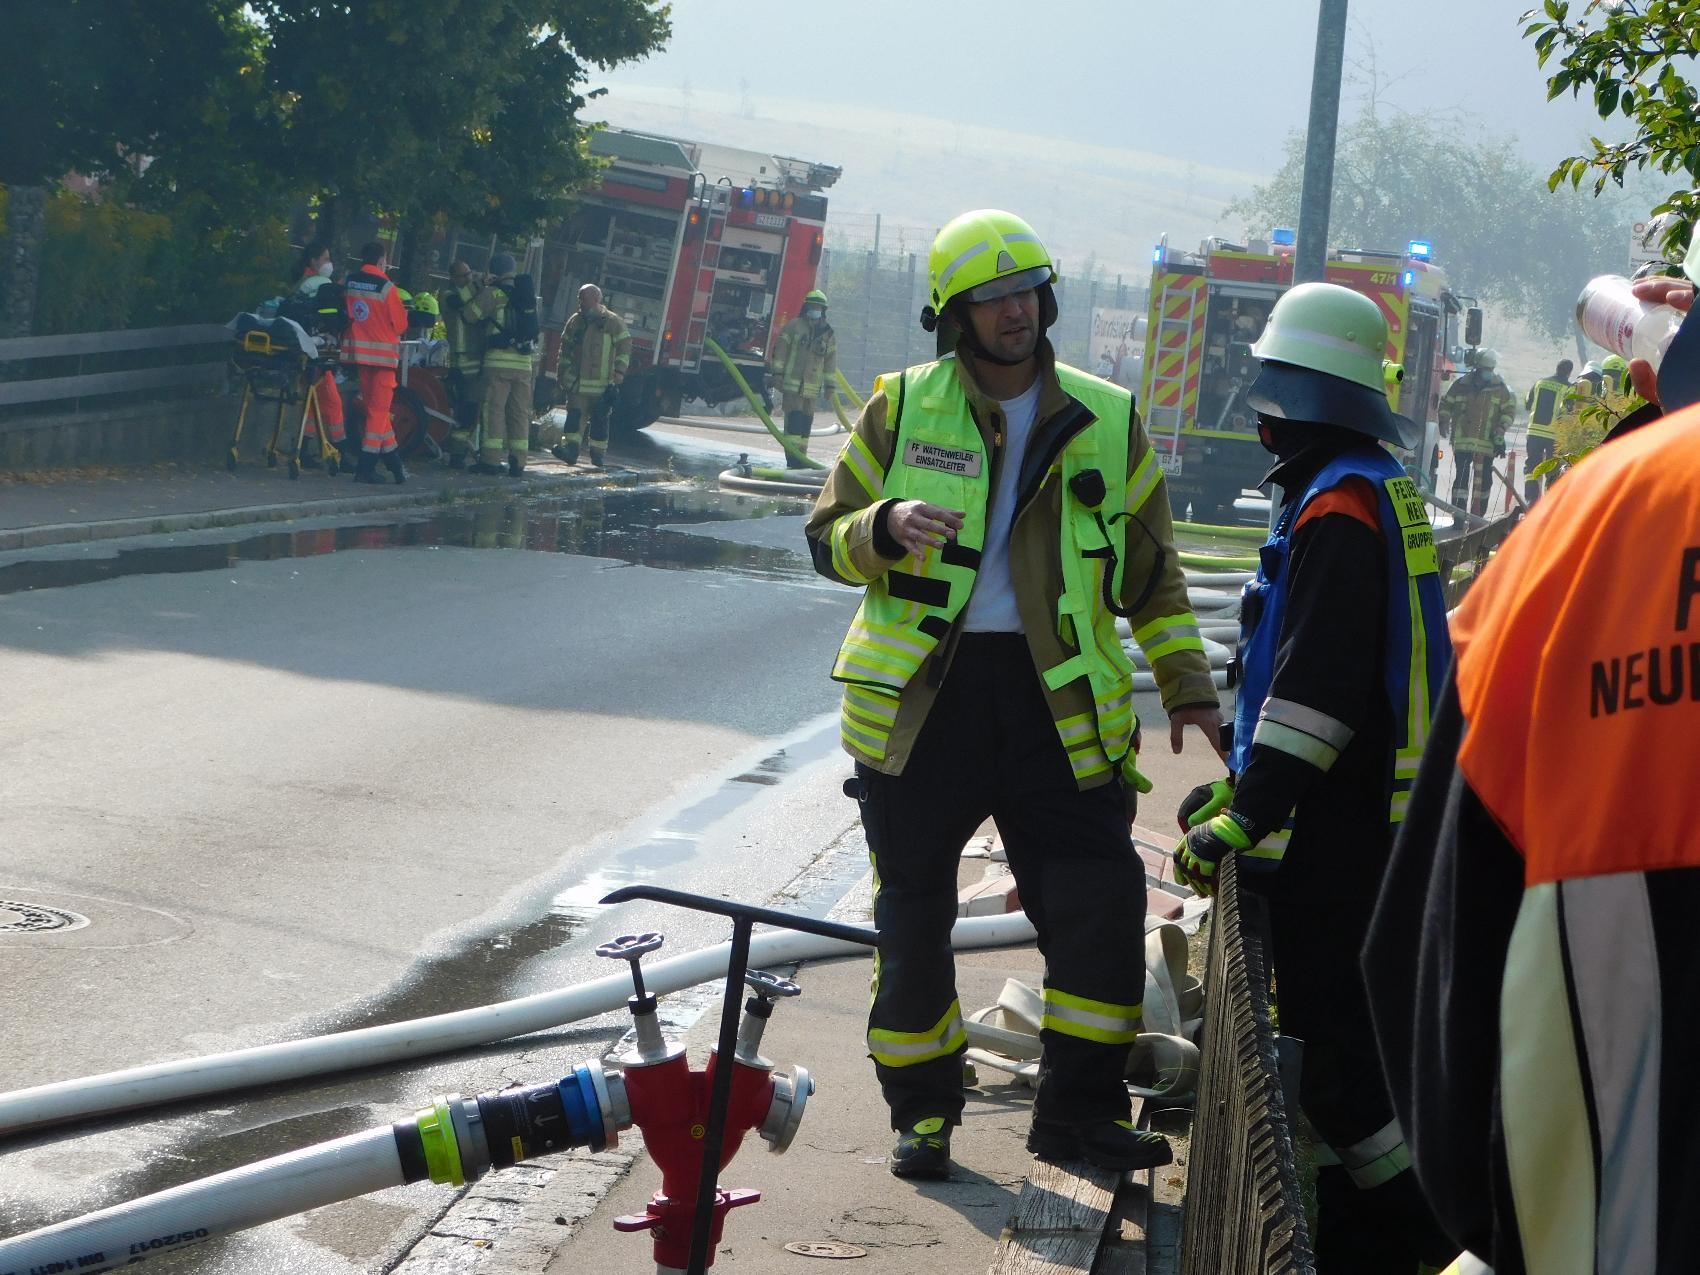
<point x="1207" y="719"/>
<point x="1678" y="294"/>
<point x="918" y="526"/>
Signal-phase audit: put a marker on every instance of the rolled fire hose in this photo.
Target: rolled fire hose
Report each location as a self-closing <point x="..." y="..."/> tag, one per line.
<point x="159" y="1083"/>
<point x="453" y="1141"/>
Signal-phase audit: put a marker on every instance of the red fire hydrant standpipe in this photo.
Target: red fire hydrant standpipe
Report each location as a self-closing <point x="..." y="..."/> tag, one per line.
<point x="692" y="1122"/>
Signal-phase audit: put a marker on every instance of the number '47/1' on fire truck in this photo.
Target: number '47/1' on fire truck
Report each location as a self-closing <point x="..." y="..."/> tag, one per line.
<point x="1209" y="307"/>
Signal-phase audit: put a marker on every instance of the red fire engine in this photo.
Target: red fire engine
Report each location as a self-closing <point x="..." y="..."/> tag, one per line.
<point x="690" y="241"/>
<point x="1208" y="307"/>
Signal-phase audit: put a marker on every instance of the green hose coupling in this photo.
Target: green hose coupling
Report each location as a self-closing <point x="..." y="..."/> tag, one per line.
<point x="442" y="1150"/>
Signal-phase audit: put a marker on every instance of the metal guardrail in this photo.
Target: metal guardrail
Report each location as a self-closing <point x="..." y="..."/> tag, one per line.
<point x="1475" y="546"/>
<point x="1244" y="1214"/>
<point x="160" y="350"/>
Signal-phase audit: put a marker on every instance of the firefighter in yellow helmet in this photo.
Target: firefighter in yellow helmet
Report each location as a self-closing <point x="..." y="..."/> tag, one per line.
<point x="804" y="359"/>
<point x="1001" y="510"/>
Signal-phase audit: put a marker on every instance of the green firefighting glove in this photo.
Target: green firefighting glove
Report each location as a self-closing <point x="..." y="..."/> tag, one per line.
<point x="1131" y="775"/>
<point x="1205" y="802"/>
<point x="1204" y="846"/>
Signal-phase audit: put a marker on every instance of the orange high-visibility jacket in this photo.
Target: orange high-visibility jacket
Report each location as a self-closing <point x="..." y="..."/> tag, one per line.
<point x="1532" y="962"/>
<point x="376" y="319"/>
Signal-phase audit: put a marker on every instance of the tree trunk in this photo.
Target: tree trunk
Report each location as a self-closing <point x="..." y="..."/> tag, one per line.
<point x="414" y="253"/>
<point x="331" y="229"/>
<point x="20" y="269"/>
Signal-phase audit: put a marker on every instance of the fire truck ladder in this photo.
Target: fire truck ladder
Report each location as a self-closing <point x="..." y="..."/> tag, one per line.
<point x="713" y="203"/>
<point x="1172" y="341"/>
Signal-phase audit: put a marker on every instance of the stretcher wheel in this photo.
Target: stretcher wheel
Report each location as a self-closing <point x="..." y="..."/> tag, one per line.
<point x="230" y="460"/>
<point x="294" y="468"/>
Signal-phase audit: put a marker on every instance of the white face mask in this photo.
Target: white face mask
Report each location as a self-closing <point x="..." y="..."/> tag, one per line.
<point x="326" y="269"/>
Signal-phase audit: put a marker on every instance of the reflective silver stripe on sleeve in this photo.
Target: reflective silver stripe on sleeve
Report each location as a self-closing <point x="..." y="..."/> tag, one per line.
<point x="1614" y="965"/>
<point x="1295" y="743"/>
<point x="1379" y="1158"/>
<point x="1330" y="730"/>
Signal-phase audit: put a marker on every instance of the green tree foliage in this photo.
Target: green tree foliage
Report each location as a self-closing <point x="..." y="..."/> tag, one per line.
<point x="428" y="111"/>
<point x="1633" y="60"/>
<point x="435" y="110"/>
<point x="1495" y="227"/>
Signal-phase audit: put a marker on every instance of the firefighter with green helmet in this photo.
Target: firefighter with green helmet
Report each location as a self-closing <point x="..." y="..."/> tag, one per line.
<point x="1001" y="510"/>
<point x="804" y="360"/>
<point x="1343" y="647"/>
<point x="1474" y="415"/>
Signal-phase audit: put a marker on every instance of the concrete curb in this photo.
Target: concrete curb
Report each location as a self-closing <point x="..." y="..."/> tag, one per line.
<point x="164" y="524"/>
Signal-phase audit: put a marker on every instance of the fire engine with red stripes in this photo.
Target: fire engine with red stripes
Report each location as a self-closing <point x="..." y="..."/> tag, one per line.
<point x="691" y="242"/>
<point x="1208" y="307"/>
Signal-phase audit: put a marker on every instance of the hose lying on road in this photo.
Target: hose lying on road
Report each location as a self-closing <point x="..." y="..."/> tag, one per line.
<point x="158" y="1083"/>
<point x="197" y="1211"/>
<point x="793" y="446"/>
<point x="451" y="1141"/>
<point x="806" y="484"/>
<point x="1251" y="535"/>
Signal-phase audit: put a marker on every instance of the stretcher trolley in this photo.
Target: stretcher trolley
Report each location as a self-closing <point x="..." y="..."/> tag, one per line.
<point x="281" y="364"/>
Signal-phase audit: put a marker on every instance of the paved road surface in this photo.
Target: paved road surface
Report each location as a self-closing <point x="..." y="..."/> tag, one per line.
<point x="387" y="777"/>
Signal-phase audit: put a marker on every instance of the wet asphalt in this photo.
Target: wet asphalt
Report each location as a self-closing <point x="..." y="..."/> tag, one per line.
<point x="355" y="772"/>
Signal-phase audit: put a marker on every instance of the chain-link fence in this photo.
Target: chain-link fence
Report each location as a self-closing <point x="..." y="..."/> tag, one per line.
<point x="877" y="296"/>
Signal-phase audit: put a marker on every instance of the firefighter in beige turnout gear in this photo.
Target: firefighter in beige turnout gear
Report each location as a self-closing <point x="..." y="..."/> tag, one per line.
<point x="1001" y="509"/>
<point x="596" y="350"/>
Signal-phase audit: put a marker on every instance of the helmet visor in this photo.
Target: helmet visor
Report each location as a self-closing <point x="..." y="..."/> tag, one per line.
<point x="1020" y="281"/>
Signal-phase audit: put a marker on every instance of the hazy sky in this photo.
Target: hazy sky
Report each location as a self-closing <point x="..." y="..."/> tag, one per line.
<point x="1155" y="75"/>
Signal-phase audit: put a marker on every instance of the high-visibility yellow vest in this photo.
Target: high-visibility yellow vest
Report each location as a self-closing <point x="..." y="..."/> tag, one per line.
<point x="1546" y="401"/>
<point x="941" y="458"/>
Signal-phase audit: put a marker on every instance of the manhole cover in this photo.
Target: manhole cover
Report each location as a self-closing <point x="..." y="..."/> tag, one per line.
<point x="34" y="918"/>
<point x="825" y="1248"/>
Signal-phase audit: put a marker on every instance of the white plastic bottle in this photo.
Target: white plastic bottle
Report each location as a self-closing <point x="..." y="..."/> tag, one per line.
<point x="1610" y="314"/>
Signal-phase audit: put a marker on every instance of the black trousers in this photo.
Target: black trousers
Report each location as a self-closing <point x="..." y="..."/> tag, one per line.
<point x="1319" y="908"/>
<point x="990" y="748"/>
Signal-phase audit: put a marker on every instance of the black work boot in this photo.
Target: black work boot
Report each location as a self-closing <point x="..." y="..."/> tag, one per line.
<point x="309" y="453"/>
<point x="566" y="451"/>
<point x="595" y="455"/>
<point x="516" y="466"/>
<point x="398" y="471"/>
<point x="923" y="1150"/>
<point x="1109" y="1144"/>
<point x="487" y="469"/>
<point x="350" y="462"/>
<point x="797" y="432"/>
<point x="366" y="469"/>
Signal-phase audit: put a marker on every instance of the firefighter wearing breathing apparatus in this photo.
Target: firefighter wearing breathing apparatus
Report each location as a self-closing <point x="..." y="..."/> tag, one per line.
<point x="805" y="357"/>
<point x="1343" y="642"/>
<point x="1001" y="510"/>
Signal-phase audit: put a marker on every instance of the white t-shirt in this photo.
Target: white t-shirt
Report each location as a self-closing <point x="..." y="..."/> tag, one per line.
<point x="991" y="607"/>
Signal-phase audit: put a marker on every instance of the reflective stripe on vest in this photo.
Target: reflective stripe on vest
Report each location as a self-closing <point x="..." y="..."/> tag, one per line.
<point x="941" y="458"/>
<point x="1544" y="401"/>
<point x="1418" y="646"/>
<point x="802" y="371"/>
<point x="595" y="380"/>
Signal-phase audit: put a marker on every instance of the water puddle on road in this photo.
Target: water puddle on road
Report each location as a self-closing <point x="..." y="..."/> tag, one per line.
<point x="483" y="968"/>
<point x="641" y="527"/>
